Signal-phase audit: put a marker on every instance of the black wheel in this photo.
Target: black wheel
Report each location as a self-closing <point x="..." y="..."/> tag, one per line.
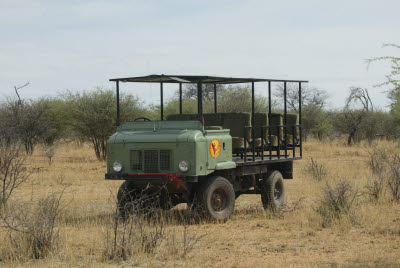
<point x="132" y="199"/>
<point x="164" y="200"/>
<point x="273" y="190"/>
<point x="127" y="194"/>
<point x="216" y="198"/>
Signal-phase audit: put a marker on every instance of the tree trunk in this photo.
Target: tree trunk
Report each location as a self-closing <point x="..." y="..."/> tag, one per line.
<point x="351" y="137"/>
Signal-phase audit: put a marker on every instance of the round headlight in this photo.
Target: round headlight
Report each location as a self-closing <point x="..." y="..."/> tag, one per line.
<point x="184" y="166"/>
<point x="117" y="166"/>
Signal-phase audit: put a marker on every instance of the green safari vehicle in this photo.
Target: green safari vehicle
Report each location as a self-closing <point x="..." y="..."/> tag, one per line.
<point x="206" y="160"/>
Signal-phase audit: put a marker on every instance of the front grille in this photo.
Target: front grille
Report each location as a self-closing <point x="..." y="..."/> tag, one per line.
<point x="150" y="160"/>
<point x="164" y="159"/>
<point x="136" y="160"/>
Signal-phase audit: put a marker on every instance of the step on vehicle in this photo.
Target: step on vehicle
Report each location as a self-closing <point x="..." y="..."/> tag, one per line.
<point x="206" y="160"/>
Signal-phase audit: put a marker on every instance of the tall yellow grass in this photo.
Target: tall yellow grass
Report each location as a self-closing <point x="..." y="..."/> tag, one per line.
<point x="251" y="238"/>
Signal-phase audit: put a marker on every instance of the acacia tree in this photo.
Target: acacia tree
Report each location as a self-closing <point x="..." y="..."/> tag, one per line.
<point x="190" y="91"/>
<point x="358" y="105"/>
<point x="94" y="115"/>
<point x="26" y="119"/>
<point x="392" y="81"/>
<point x="393" y="78"/>
<point x="314" y="97"/>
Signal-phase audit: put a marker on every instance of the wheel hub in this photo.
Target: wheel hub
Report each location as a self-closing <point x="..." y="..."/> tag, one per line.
<point x="218" y="200"/>
<point x="277" y="191"/>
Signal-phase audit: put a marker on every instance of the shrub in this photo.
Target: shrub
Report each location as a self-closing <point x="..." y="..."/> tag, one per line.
<point x="315" y="121"/>
<point x="375" y="187"/>
<point x="336" y="201"/>
<point x="323" y="129"/>
<point x="49" y="152"/>
<point x="377" y="181"/>
<point x="12" y="168"/>
<point x="385" y="167"/>
<point x="32" y="227"/>
<point x="316" y="170"/>
<point x="142" y="231"/>
<point x="189" y="240"/>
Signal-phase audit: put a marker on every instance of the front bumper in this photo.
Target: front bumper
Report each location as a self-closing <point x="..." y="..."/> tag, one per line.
<point x="152" y="178"/>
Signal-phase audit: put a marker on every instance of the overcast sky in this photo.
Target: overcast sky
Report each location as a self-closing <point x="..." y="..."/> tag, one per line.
<point x="78" y="45"/>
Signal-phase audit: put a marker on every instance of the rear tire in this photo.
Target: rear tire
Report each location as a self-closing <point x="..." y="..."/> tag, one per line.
<point x="273" y="190"/>
<point x="216" y="199"/>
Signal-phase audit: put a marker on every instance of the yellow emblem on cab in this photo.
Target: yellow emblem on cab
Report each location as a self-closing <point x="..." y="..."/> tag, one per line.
<point x="215" y="148"/>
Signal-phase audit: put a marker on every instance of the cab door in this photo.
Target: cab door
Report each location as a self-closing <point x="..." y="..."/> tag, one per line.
<point x="219" y="147"/>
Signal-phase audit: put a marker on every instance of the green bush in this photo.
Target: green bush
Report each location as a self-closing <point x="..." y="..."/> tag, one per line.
<point x="94" y="115"/>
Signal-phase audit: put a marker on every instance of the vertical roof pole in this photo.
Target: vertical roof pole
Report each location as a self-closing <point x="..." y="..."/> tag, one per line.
<point x="269" y="103"/>
<point x="215" y="98"/>
<point x="180" y="98"/>
<point x="252" y="121"/>
<point x="117" y="89"/>
<point x="162" y="100"/>
<point x="269" y="119"/>
<point x="285" y="118"/>
<point x="200" y="101"/>
<point x="301" y="127"/>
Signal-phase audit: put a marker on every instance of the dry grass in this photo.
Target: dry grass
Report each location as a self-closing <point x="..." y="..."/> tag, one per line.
<point x="369" y="236"/>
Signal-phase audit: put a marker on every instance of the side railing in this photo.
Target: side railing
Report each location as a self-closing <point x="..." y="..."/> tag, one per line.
<point x="280" y="150"/>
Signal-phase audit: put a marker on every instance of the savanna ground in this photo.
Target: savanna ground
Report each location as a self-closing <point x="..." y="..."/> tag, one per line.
<point x="368" y="237"/>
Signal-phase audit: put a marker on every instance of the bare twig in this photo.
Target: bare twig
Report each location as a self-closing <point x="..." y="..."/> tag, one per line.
<point x="16" y="91"/>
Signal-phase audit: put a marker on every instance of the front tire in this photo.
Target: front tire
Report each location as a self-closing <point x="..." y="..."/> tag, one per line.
<point x="127" y="194"/>
<point x="216" y="199"/>
<point x="273" y="190"/>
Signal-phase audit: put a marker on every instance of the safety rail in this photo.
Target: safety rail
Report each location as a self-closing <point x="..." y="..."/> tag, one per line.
<point x="267" y="146"/>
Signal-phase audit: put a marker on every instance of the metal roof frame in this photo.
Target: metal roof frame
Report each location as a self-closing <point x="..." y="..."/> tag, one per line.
<point x="215" y="80"/>
<point x="195" y="79"/>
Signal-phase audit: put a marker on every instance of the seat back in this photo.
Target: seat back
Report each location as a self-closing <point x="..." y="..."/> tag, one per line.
<point x="233" y="121"/>
<point x="260" y="120"/>
<point x="212" y="120"/>
<point x="209" y="119"/>
<point x="276" y="120"/>
<point x="182" y="117"/>
<point x="291" y="120"/>
<point x="236" y="123"/>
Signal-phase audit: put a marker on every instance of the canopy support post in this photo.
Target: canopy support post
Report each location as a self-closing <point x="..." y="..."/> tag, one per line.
<point x="215" y="98"/>
<point x="200" y="100"/>
<point x="285" y="118"/>
<point x="253" y="121"/>
<point x="118" y="115"/>
<point x="180" y="98"/>
<point x="269" y="119"/>
<point x="162" y="100"/>
<point x="300" y="127"/>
